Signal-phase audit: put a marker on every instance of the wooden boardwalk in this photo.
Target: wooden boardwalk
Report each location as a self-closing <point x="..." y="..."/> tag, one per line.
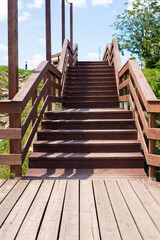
<point x="79" y="209"/>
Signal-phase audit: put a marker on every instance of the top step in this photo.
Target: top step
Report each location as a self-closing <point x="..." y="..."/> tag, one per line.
<point x="92" y="63"/>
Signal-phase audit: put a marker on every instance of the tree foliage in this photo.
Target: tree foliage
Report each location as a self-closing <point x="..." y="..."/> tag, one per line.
<point x="138" y="31"/>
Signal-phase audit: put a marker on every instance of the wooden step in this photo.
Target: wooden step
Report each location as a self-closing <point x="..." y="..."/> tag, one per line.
<point x="89" y="124"/>
<point x="86" y="160"/>
<point x="87" y="88"/>
<point x="90" y="84"/>
<point x="104" y="146"/>
<point x="90" y="93"/>
<point x="80" y="114"/>
<point x="86" y="70"/>
<point x="125" y="134"/>
<point x="92" y="80"/>
<point x="90" y="98"/>
<point x="89" y="74"/>
<point x="90" y="104"/>
<point x="91" y="63"/>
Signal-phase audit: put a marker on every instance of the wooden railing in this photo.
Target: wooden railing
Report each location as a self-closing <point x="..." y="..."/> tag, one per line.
<point x="48" y="92"/>
<point x="135" y="92"/>
<point x="55" y="59"/>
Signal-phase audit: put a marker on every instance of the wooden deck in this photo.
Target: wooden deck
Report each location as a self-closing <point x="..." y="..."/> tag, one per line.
<point x="79" y="209"/>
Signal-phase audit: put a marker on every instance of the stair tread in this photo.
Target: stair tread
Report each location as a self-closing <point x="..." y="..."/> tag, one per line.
<point x="88" y="142"/>
<point x="85" y="155"/>
<point x="91" y="110"/>
<point x="90" y="120"/>
<point x="86" y="131"/>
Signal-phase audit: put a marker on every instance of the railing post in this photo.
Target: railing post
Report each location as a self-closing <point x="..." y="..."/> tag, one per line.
<point x="152" y="146"/>
<point x="63" y="21"/>
<point x="48" y="43"/>
<point x="71" y="24"/>
<point x="14" y="119"/>
<point x="48" y="31"/>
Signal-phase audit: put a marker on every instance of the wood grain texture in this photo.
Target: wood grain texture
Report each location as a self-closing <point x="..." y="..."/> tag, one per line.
<point x="143" y="221"/>
<point x="12" y="224"/>
<point x="70" y="219"/>
<point x="127" y="227"/>
<point x="88" y="219"/>
<point x="107" y="222"/>
<point x="29" y="228"/>
<point x="51" y="221"/>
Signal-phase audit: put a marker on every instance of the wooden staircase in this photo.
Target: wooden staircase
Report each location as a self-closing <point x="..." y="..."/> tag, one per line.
<point x="91" y="131"/>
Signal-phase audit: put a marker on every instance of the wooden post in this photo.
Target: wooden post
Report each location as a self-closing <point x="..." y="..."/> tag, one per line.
<point x="14" y="119"/>
<point x="48" y="43"/>
<point x="152" y="146"/>
<point x="63" y="21"/>
<point x="48" y="31"/>
<point x="71" y="24"/>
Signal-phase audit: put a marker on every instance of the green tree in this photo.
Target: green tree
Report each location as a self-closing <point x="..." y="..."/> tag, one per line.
<point x="137" y="30"/>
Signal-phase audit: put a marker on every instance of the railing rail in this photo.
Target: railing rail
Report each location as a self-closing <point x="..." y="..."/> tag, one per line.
<point x="135" y="92"/>
<point x="50" y="92"/>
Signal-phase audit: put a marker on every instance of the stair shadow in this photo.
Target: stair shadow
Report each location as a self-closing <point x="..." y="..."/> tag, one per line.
<point x="67" y="174"/>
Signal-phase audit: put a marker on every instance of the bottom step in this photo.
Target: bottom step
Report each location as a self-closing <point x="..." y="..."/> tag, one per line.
<point x="86" y="160"/>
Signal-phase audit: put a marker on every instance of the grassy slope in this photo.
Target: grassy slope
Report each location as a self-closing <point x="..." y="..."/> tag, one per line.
<point x="152" y="75"/>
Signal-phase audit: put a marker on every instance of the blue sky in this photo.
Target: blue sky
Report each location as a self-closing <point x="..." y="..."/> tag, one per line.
<point x="92" y="20"/>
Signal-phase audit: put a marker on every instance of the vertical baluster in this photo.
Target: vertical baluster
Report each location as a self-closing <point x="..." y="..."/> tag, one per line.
<point x="125" y="93"/>
<point x="152" y="145"/>
<point x="14" y="119"/>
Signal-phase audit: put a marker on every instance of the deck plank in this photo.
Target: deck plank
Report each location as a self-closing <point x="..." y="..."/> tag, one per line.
<point x="70" y="220"/>
<point x="107" y="222"/>
<point x="6" y="188"/>
<point x="32" y="221"/>
<point x="88" y="218"/>
<point x="11" y="226"/>
<point x="151" y="206"/>
<point x="153" y="188"/>
<point x="124" y="219"/>
<point x="11" y="199"/>
<point x="2" y="181"/>
<point x="51" y="222"/>
<point x="143" y="221"/>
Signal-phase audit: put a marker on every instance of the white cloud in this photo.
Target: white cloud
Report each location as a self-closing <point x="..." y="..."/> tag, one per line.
<point x="42" y="41"/>
<point x="3" y="48"/>
<point x="35" y="61"/>
<point x="92" y="56"/>
<point x="36" y="4"/>
<point x="20" y="4"/>
<point x="24" y="17"/>
<point x="3" y="10"/>
<point x="79" y="3"/>
<point x="6" y="59"/>
<point x="101" y="2"/>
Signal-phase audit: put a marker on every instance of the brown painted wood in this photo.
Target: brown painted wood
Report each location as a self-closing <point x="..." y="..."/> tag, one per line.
<point x="13" y="47"/>
<point x="71" y="24"/>
<point x="11" y="159"/>
<point x="63" y="21"/>
<point x="48" y="30"/>
<point x="10" y="133"/>
<point x="152" y="146"/>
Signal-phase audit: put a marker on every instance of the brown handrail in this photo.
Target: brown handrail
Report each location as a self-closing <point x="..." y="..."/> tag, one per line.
<point x="51" y="92"/>
<point x="18" y="104"/>
<point x="134" y="90"/>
